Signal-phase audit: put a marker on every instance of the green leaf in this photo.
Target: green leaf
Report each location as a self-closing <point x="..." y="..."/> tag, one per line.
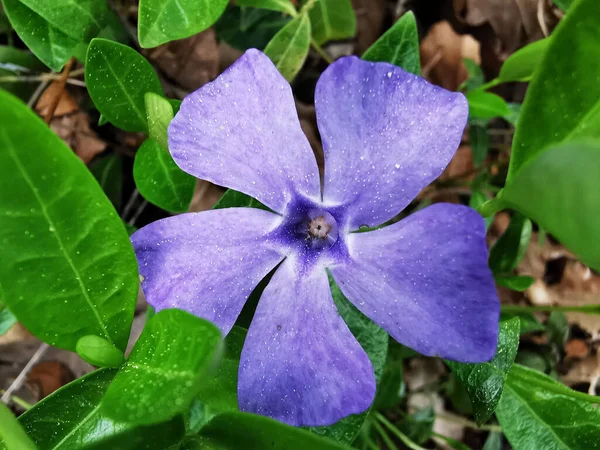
<point x="528" y="321"/>
<point x="477" y="199"/>
<point x="117" y="78"/>
<point x="479" y="139"/>
<point x="493" y="441"/>
<point x="229" y="430"/>
<point x="374" y="341"/>
<point x="233" y="199"/>
<point x="166" y="435"/>
<point x="12" y="435"/>
<point x="485" y="105"/>
<point x="71" y="416"/>
<point x="284" y="6"/>
<point x="563" y="4"/>
<point x="521" y="64"/>
<point x="108" y="171"/>
<point x="49" y="44"/>
<point x="68" y="267"/>
<point x="475" y="78"/>
<point x="418" y="426"/>
<point x="15" y="62"/>
<point x="563" y="99"/>
<point x="516" y="283"/>
<point x="7" y="319"/>
<point x="165" y="370"/>
<point x="289" y="47"/>
<point x="399" y="45"/>
<point x="160" y="180"/>
<point x="78" y="19"/>
<point x="160" y="113"/>
<point x="390" y="390"/>
<point x="485" y="381"/>
<point x="99" y="352"/>
<point x="557" y="327"/>
<point x="332" y="20"/>
<point x="559" y="190"/>
<point x="161" y="21"/>
<point x="510" y="248"/>
<point x="537" y="412"/>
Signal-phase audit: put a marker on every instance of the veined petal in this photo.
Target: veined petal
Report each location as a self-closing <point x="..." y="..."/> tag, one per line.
<point x="386" y="135"/>
<point x="300" y="363"/>
<point x="242" y="131"/>
<point x="206" y="263"/>
<point x="425" y="280"/>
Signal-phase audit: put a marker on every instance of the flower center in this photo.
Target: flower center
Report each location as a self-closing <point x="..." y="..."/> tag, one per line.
<point x="318" y="229"/>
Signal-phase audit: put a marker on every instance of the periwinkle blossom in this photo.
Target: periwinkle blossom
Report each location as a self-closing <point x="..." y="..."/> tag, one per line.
<point x="386" y="135"/>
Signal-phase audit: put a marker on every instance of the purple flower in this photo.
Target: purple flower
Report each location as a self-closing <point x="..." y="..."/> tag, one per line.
<point x="386" y="135"/>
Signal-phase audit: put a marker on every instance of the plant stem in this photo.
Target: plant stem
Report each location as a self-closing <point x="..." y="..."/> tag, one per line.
<point x="468" y="424"/>
<point x="385" y="437"/>
<point x="37" y="78"/>
<point x="490" y="84"/>
<point x="21" y="377"/>
<point x="587" y="309"/>
<point x="399" y="434"/>
<point x="19" y="401"/>
<point x="320" y="51"/>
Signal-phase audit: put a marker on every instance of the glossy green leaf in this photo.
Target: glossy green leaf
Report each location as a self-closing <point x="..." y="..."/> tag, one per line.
<point x="557" y="328"/>
<point x="332" y="20"/>
<point x="289" y="47"/>
<point x="165" y="370"/>
<point x="78" y="19"/>
<point x="374" y="341"/>
<point x="563" y="4"/>
<point x="485" y="105"/>
<point x="284" y="6"/>
<point x="160" y="180"/>
<point x="117" y="78"/>
<point x="5" y="26"/>
<point x="230" y="430"/>
<point x="516" y="282"/>
<point x="510" y="248"/>
<point x="12" y="435"/>
<point x="70" y="417"/>
<point x="559" y="190"/>
<point x="521" y="64"/>
<point x="399" y="45"/>
<point x="390" y="389"/>
<point x="99" y="352"/>
<point x="528" y="321"/>
<point x="479" y="140"/>
<point x="7" y="319"/>
<point x="536" y="412"/>
<point x="161" y="436"/>
<point x="233" y="199"/>
<point x="475" y="76"/>
<point x="563" y="99"/>
<point x="49" y="44"/>
<point x="15" y="63"/>
<point x="477" y="199"/>
<point x="161" y="21"/>
<point x="485" y="381"/>
<point x="160" y="113"/>
<point x="68" y="267"/>
<point x="108" y="171"/>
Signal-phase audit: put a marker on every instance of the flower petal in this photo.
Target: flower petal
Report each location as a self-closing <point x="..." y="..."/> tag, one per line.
<point x="386" y="135"/>
<point x="206" y="263"/>
<point x="425" y="280"/>
<point x="242" y="131"/>
<point x="300" y="363"/>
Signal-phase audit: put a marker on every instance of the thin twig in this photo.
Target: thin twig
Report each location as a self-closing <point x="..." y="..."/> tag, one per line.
<point x="36" y="94"/>
<point x="18" y="382"/>
<point x="19" y="401"/>
<point x="40" y="77"/>
<point x="137" y="213"/>
<point x="129" y="205"/>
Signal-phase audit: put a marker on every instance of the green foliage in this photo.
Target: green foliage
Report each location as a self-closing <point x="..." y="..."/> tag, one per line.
<point x="68" y="268"/>
<point x="159" y="113"/>
<point x="165" y="370"/>
<point x="563" y="100"/>
<point x="161" y="21"/>
<point x="7" y="319"/>
<point x="17" y="62"/>
<point x="108" y="171"/>
<point x="418" y="426"/>
<point x="229" y="430"/>
<point x="559" y="190"/>
<point x="528" y="321"/>
<point x="485" y="105"/>
<point x="475" y="76"/>
<point x="537" y="412"/>
<point x="289" y="47"/>
<point x="521" y="64"/>
<point x="399" y="45"/>
<point x="479" y="139"/>
<point x="232" y="199"/>
<point x="484" y="382"/>
<point x="515" y="282"/>
<point x="117" y="78"/>
<point x="332" y="20"/>
<point x="563" y="4"/>
<point x="12" y="435"/>
<point x="160" y="180"/>
<point x="99" y="352"/>
<point x="284" y="6"/>
<point x="510" y="248"/>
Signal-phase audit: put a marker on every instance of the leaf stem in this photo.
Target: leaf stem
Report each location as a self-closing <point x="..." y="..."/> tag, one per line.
<point x="399" y="434"/>
<point x="320" y="51"/>
<point x="490" y="84"/>
<point x="19" y="401"/>
<point x="587" y="309"/>
<point x="384" y="436"/>
<point x="468" y="424"/>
